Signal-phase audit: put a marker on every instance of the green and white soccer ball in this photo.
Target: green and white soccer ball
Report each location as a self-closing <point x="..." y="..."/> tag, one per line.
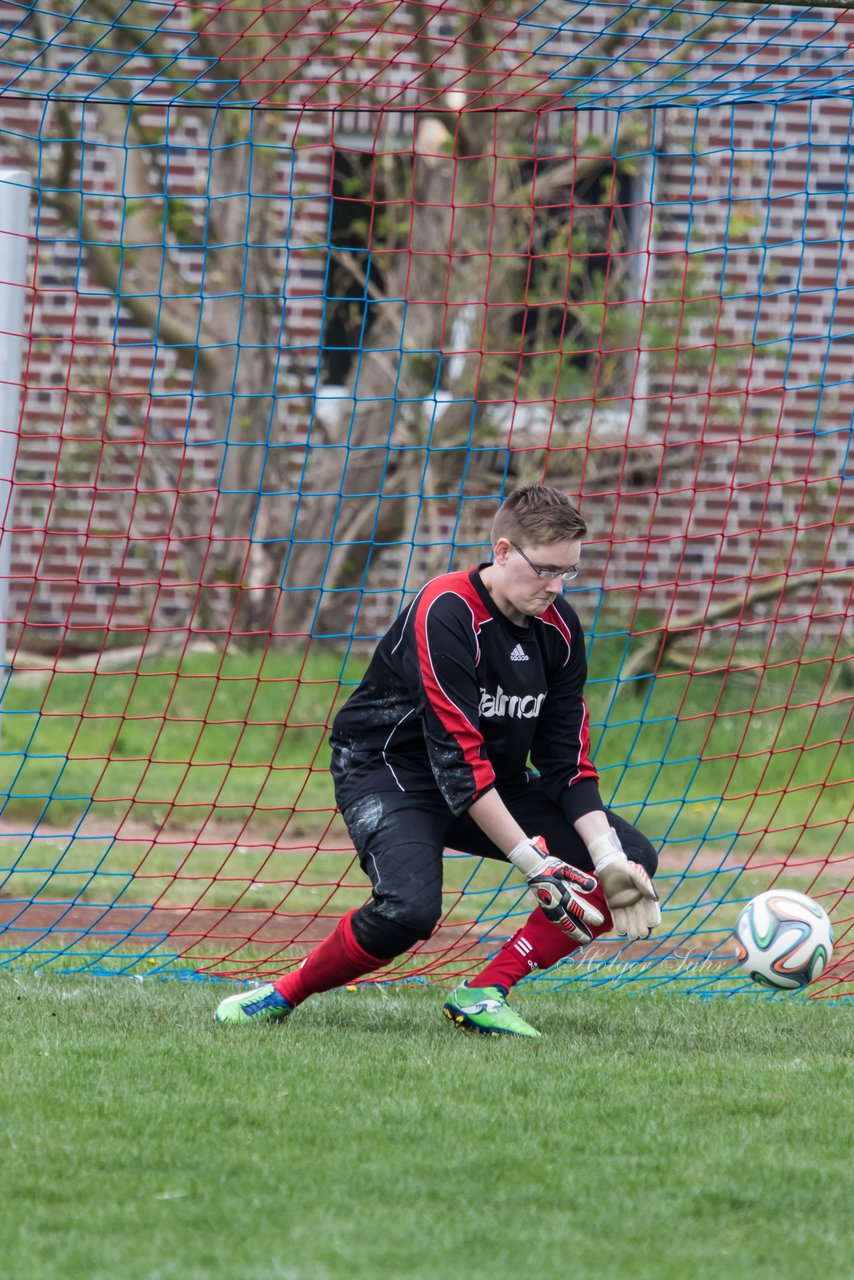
<point x="783" y="939"/>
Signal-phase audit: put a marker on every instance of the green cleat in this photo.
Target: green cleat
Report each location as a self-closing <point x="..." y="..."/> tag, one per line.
<point x="485" y="1009"/>
<point x="264" y="1004"/>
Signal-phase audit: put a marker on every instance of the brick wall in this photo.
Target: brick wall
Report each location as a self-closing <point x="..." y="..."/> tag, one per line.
<point x="725" y="452"/>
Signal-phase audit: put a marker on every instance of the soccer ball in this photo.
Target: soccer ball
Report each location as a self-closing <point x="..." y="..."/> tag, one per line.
<point x="783" y="939"/>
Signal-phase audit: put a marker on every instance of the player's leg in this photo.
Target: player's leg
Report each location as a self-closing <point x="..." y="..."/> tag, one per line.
<point x="335" y="961"/>
<point x="539" y="944"/>
<point x="400" y="845"/>
<point x="400" y="850"/>
<point x="481" y="1003"/>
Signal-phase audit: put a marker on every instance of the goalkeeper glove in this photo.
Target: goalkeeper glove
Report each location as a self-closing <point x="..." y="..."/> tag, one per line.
<point x="628" y="890"/>
<point x="558" y="889"/>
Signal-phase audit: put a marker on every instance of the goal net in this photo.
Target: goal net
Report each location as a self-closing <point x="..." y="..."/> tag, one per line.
<point x="289" y="299"/>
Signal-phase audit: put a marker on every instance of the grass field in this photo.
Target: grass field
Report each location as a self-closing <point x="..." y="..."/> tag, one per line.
<point x="655" y="1138"/>
<point x="245" y="736"/>
<point x="200" y="781"/>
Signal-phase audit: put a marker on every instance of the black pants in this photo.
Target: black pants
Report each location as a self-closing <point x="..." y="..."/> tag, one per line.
<point x="400" y="841"/>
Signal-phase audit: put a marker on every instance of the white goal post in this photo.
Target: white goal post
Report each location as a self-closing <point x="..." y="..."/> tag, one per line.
<point x="15" y="187"/>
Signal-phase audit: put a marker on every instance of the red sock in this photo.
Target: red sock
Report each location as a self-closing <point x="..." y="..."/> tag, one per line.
<point x="335" y="961"/>
<point x="537" y="945"/>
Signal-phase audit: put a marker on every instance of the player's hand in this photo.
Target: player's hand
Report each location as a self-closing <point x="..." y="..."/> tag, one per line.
<point x="559" y="890"/>
<point x="629" y="892"/>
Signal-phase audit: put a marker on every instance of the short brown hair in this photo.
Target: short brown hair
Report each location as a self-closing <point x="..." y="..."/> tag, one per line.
<point x="539" y="514"/>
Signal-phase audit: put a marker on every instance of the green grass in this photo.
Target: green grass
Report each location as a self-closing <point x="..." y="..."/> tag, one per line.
<point x="189" y="735"/>
<point x="226" y="756"/>
<point x="651" y="1137"/>
<point x="243" y="738"/>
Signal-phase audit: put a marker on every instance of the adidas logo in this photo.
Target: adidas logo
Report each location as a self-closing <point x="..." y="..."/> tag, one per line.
<point x="518" y="654"/>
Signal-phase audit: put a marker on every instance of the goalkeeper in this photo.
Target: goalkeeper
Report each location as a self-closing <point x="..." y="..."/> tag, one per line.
<point x="482" y="673"/>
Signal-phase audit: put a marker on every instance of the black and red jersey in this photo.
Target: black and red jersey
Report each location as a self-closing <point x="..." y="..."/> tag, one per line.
<point x="457" y="697"/>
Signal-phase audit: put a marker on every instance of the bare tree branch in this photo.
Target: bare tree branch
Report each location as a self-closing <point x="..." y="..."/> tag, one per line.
<point x="648" y="659"/>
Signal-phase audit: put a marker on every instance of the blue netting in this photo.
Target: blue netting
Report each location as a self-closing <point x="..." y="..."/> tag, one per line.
<point x="303" y="295"/>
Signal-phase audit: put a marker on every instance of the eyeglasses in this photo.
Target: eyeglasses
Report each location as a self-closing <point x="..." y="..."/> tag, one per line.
<point x="547" y="574"/>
